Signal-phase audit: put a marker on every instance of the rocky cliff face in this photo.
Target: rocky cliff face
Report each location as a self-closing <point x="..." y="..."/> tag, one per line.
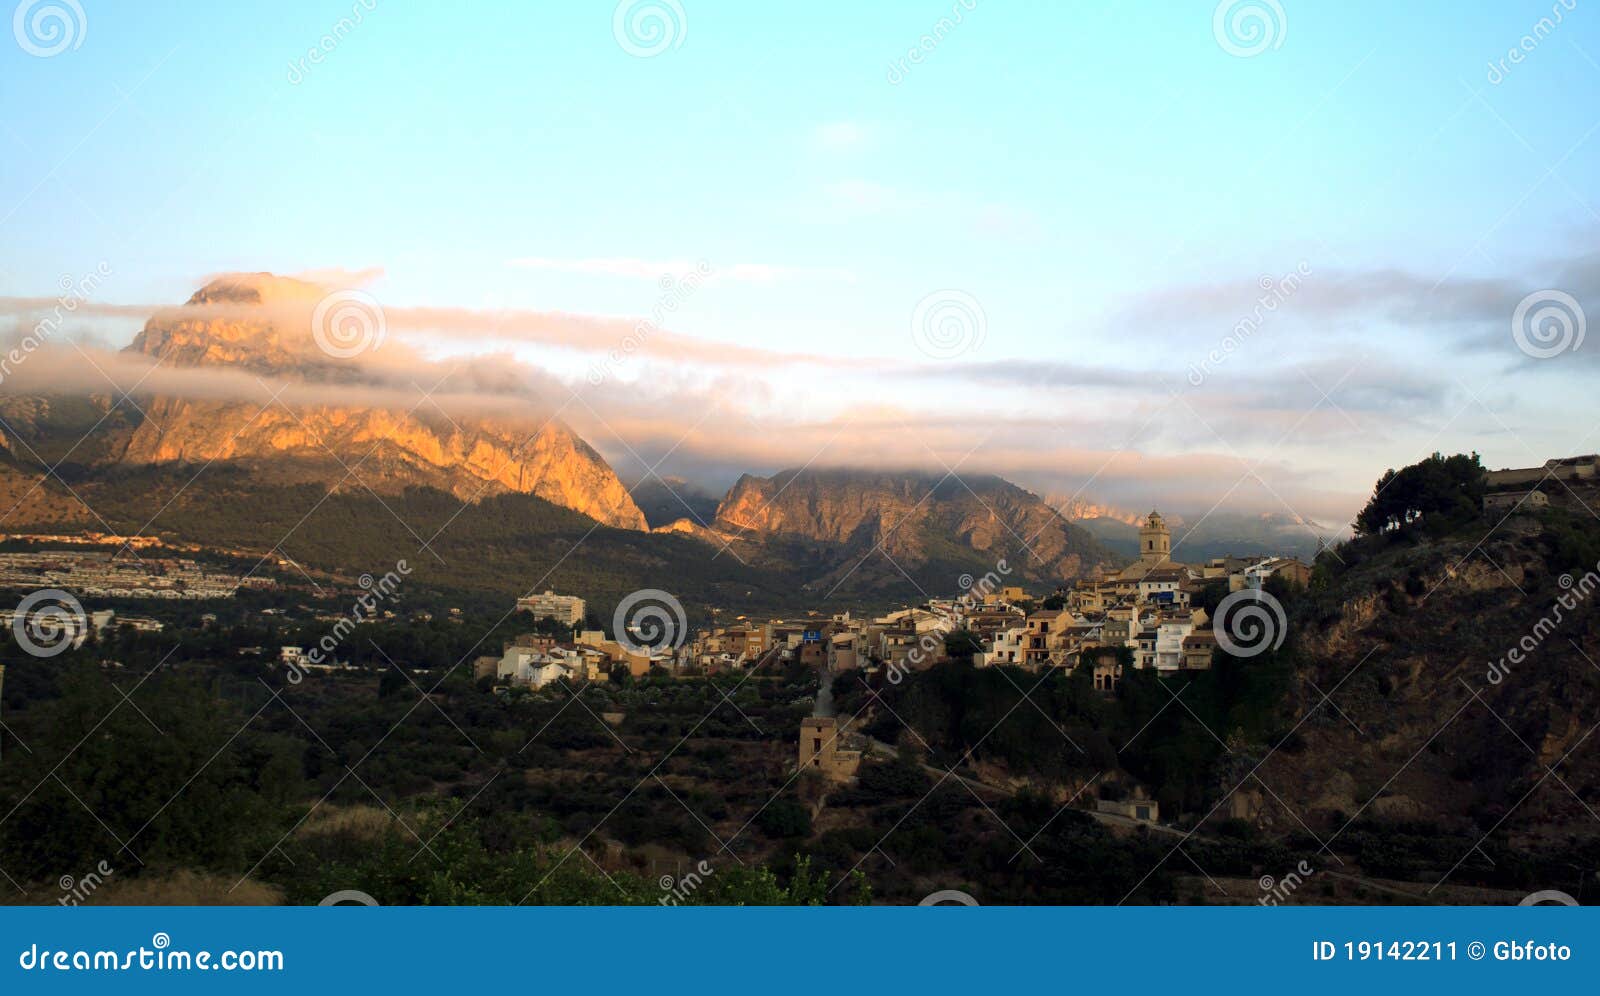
<point x="914" y="519"/>
<point x="358" y="446"/>
<point x="1460" y="684"/>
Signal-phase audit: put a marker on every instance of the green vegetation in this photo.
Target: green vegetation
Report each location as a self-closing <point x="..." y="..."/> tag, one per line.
<point x="1056" y="726"/>
<point x="1438" y="494"/>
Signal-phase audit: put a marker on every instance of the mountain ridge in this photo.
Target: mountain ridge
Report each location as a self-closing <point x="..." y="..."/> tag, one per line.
<point x="467" y="457"/>
<point x="915" y="519"/>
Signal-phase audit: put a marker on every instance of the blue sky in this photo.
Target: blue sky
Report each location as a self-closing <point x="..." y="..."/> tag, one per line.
<point x="1108" y="182"/>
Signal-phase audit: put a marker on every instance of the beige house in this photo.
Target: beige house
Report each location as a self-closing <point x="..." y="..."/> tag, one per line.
<point x="820" y="750"/>
<point x="1143" y="810"/>
<point x="1197" y="649"/>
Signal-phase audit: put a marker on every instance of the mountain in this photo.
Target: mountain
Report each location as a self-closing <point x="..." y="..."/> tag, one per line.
<point x="1449" y="681"/>
<point x="666" y="500"/>
<point x="1220" y="534"/>
<point x="1120" y="536"/>
<point x="932" y="529"/>
<point x="384" y="449"/>
<point x="259" y="479"/>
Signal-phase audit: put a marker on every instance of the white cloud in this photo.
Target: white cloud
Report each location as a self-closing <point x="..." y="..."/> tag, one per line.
<point x="654" y="269"/>
<point x="837" y="135"/>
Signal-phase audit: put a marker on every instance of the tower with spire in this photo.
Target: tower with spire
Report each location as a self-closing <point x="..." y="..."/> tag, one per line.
<point x="1155" y="541"/>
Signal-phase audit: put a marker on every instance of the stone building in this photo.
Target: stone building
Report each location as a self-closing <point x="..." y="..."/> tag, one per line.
<point x="565" y="609"/>
<point x="1579" y="468"/>
<point x="1515" y="501"/>
<point x="820" y="749"/>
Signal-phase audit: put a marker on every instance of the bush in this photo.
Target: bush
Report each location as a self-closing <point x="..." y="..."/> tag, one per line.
<point x="784" y="819"/>
<point x="897" y="779"/>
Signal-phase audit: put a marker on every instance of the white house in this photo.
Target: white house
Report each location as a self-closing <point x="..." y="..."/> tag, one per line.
<point x="1169" y="643"/>
<point x="1006" y="647"/>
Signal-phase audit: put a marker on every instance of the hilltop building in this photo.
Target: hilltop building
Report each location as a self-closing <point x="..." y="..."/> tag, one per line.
<point x="1570" y="482"/>
<point x="820" y="750"/>
<point x="565" y="609"/>
<point x="1577" y="468"/>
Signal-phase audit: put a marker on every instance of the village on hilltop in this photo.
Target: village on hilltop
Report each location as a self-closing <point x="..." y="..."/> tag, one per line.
<point x="1140" y="616"/>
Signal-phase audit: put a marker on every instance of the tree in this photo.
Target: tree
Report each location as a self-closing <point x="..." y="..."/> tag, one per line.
<point x="169" y="774"/>
<point x="1210" y="596"/>
<point x="962" y="644"/>
<point x="1439" y="491"/>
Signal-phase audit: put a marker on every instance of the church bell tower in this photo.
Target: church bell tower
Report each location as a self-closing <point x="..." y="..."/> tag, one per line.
<point x="1155" y="541"/>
